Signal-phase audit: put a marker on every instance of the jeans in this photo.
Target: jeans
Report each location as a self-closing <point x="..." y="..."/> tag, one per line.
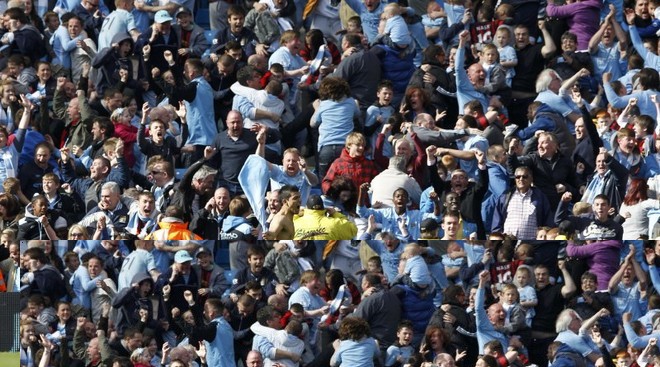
<point x="327" y="154"/>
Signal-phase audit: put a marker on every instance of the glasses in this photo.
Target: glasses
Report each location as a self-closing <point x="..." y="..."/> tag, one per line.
<point x="74" y="235"/>
<point x="522" y="177"/>
<point x="154" y="173"/>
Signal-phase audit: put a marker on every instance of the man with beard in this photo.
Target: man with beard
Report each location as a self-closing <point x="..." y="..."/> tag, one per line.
<point x="281" y="227"/>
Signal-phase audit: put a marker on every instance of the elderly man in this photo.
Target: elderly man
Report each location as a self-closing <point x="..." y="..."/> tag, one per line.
<point x="111" y="208"/>
<point x="195" y="188"/>
<point x="394" y="177"/>
<point x="610" y="179"/>
<point x="429" y="134"/>
<point x="523" y="209"/>
<point x="554" y="91"/>
<point x="574" y="332"/>
<point x="553" y="172"/>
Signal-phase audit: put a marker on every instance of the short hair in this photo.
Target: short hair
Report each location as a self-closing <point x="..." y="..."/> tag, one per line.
<point x="36" y="253"/>
<point x="405" y="324"/>
<point x="204" y="172"/>
<point x="112" y="186"/>
<point x="50" y="176"/>
<point x="256" y="250"/>
<point x="44" y="144"/>
<point x="309" y="275"/>
<point x="544" y="79"/>
<point x="568" y="35"/>
<point x="174" y="212"/>
<point x="226" y="60"/>
<point x="216" y="305"/>
<point x="110" y="92"/>
<point x="265" y="314"/>
<point x="233" y="45"/>
<point x="625" y="132"/>
<point x="196" y="64"/>
<point x="646" y="122"/>
<point x="16" y="59"/>
<point x="286" y="191"/>
<point x="105" y="124"/>
<point x="353" y="40"/>
<point x="602" y="197"/>
<point x="274" y="88"/>
<point x="17" y="14"/>
<point x="288" y="36"/>
<point x="167" y="165"/>
<point x="475" y="105"/>
<point x="239" y="206"/>
<point x="372" y="279"/>
<point x="355" y="138"/>
<point x="51" y="14"/>
<point x="385" y="84"/>
<point x="276" y="67"/>
<point x="37" y="198"/>
<point x="564" y="319"/>
<point x="246" y="300"/>
<point x="235" y="10"/>
<point x="589" y="276"/>
<point x="649" y="79"/>
<point x="245" y="73"/>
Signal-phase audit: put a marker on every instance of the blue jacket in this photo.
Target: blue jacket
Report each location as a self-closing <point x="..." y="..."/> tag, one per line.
<point x="497" y="186"/>
<point x="416" y="309"/>
<point x="395" y="69"/>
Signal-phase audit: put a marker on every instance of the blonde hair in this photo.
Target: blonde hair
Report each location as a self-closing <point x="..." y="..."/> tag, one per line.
<point x="355" y="138"/>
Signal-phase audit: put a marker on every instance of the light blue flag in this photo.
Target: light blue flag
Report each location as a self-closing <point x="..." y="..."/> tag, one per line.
<point x="253" y="178"/>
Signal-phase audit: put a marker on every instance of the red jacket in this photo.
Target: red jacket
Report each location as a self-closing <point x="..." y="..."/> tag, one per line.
<point x="127" y="133"/>
<point x="358" y="169"/>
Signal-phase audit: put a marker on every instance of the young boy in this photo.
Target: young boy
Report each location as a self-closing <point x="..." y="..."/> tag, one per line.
<point x="158" y="142"/>
<point x="394" y="33"/>
<point x="400" y="352"/>
<point x="64" y="204"/>
<point x="378" y="114"/>
<point x="415" y="273"/>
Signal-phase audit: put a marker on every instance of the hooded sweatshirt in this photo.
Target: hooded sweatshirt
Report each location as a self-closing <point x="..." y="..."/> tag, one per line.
<point x="30" y="227"/>
<point x="236" y="229"/>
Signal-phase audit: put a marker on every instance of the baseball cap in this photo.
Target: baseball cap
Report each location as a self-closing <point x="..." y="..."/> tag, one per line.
<point x="315" y="202"/>
<point x="162" y="16"/>
<point x="182" y="10"/>
<point x="182" y="256"/>
<point x="428" y="225"/>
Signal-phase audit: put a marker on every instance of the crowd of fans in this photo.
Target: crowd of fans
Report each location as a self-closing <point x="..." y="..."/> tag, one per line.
<point x="453" y="121"/>
<point x="386" y="190"/>
<point x="493" y="303"/>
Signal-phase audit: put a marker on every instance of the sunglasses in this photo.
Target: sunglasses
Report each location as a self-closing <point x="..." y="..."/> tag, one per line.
<point x="522" y="177"/>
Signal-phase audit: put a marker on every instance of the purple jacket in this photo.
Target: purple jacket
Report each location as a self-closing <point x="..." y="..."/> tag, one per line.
<point x="602" y="258"/>
<point x="583" y="18"/>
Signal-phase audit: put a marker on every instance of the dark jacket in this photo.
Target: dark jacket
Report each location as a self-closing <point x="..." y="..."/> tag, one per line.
<point x="129" y="303"/>
<point x="547" y="173"/>
<point x="471" y="197"/>
<point x="49" y="283"/>
<point x="108" y="62"/>
<point x="184" y="193"/>
<point x="443" y="81"/>
<point x="616" y="179"/>
<point x="29" y="42"/>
